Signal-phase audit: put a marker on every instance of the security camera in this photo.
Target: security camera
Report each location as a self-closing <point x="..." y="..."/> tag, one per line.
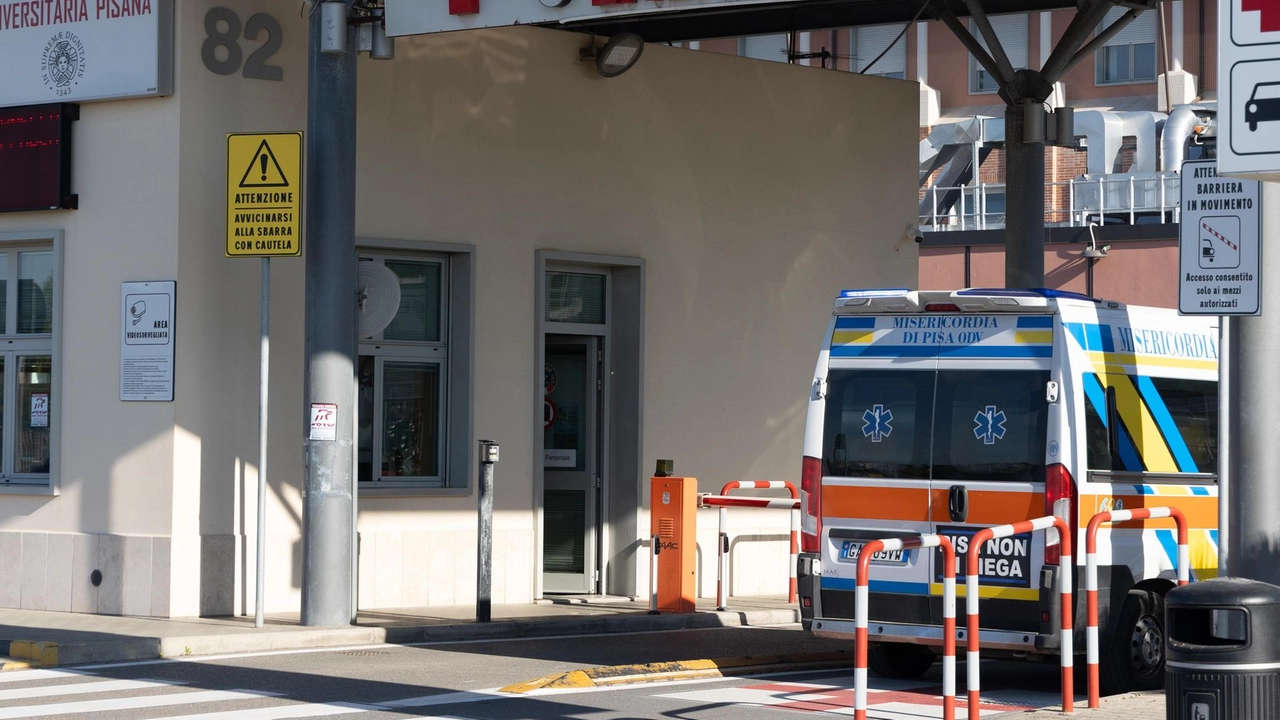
<point x="913" y="232"/>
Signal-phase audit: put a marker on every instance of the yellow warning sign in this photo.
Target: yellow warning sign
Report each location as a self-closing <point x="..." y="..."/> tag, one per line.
<point x="264" y="194"/>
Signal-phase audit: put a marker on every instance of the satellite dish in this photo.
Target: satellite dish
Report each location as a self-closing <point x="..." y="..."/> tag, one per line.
<point x="378" y="294"/>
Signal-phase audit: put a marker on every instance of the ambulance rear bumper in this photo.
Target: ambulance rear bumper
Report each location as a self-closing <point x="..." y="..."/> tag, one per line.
<point x="924" y="635"/>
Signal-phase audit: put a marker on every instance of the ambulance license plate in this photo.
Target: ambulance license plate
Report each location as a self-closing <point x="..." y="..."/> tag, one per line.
<point x="850" y="549"/>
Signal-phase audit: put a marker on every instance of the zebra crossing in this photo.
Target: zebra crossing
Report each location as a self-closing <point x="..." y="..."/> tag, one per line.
<point x="56" y="693"/>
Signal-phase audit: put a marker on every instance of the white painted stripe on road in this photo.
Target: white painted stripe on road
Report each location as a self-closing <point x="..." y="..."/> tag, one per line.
<point x="31" y="675"/>
<point x="131" y="703"/>
<point x="449" y="698"/>
<point x="281" y="712"/>
<point x="85" y="688"/>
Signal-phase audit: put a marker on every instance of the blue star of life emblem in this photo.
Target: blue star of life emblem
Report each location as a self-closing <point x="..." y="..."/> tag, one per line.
<point x="876" y="423"/>
<point x="990" y="425"/>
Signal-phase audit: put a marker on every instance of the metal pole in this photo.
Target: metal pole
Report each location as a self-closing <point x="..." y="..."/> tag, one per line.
<point x="1224" y="442"/>
<point x="484" y="551"/>
<point x="1024" y="211"/>
<point x="330" y="327"/>
<point x="264" y="368"/>
<point x="1254" y="502"/>
<point x="722" y="557"/>
<point x="655" y="545"/>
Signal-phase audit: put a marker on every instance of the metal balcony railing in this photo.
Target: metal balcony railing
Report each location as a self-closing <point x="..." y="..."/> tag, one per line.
<point x="1100" y="200"/>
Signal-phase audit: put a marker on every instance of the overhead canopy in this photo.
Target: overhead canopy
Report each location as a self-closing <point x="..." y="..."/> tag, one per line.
<point x="677" y="20"/>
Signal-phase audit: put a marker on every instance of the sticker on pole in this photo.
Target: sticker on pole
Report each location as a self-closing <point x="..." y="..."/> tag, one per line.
<point x="1219" y="243"/>
<point x="264" y="194"/>
<point x="324" y="422"/>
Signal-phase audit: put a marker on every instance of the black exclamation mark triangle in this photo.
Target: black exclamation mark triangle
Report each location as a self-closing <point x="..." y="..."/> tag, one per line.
<point x="264" y="170"/>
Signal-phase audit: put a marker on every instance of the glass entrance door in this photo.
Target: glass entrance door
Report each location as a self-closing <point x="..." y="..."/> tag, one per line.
<point x="570" y="461"/>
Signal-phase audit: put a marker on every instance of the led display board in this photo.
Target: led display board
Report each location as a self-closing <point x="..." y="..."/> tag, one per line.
<point x="35" y="157"/>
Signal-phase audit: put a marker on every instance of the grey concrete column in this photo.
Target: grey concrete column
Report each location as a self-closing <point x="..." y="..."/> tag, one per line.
<point x="1024" y="205"/>
<point x="1254" y="503"/>
<point x="330" y="329"/>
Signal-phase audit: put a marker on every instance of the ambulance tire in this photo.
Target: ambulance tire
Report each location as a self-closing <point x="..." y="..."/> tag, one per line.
<point x="1133" y="658"/>
<point x="898" y="661"/>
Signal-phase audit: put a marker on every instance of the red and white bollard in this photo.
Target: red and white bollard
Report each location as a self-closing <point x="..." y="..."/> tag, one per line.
<point x="723" y="580"/>
<point x="1065" y="627"/>
<point x="860" y="613"/>
<point x="1092" y="641"/>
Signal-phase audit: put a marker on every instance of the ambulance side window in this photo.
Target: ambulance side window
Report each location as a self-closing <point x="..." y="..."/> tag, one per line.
<point x="877" y="424"/>
<point x="1192" y="406"/>
<point x="1097" y="444"/>
<point x="991" y="425"/>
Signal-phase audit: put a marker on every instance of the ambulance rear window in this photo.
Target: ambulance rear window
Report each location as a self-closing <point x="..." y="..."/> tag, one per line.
<point x="991" y="425"/>
<point x="877" y="423"/>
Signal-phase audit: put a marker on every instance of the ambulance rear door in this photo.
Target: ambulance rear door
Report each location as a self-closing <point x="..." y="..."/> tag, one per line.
<point x="992" y="420"/>
<point x="875" y="472"/>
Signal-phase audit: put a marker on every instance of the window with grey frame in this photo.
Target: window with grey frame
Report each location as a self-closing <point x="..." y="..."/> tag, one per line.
<point x="1011" y="30"/>
<point x="26" y="363"/>
<point x="1129" y="56"/>
<point x="402" y="379"/>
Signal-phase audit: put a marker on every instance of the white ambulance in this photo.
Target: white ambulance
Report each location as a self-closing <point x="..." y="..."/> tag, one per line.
<point x="946" y="412"/>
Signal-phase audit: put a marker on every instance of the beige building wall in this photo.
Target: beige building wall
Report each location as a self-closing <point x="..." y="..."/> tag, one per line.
<point x="753" y="191"/>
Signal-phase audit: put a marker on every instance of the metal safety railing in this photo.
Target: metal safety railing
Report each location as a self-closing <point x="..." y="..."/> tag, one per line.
<point x="1076" y="202"/>
<point x="1065" y="625"/>
<point x="1091" y="575"/>
<point x="861" y="617"/>
<point x="724" y="501"/>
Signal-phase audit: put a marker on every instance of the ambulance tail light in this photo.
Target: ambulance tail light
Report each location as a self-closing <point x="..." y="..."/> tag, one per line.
<point x="1060" y="500"/>
<point x="811" y="505"/>
<point x="942" y="307"/>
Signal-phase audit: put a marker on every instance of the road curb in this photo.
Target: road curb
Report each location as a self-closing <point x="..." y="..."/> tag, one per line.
<point x="37" y="653"/>
<point x="681" y="670"/>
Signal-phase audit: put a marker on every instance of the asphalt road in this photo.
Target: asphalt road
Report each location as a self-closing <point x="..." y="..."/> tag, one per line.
<point x="459" y="680"/>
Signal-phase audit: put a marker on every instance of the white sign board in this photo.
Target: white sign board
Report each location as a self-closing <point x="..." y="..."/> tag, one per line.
<point x="416" y="17"/>
<point x="1249" y="88"/>
<point x="1219" y="248"/>
<point x="324" y="422"/>
<point x="559" y="458"/>
<point x="39" y="410"/>
<point x="146" y="340"/>
<point x="72" y="50"/>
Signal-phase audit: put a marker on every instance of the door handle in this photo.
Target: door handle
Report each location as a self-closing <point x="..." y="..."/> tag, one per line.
<point x="958" y="503"/>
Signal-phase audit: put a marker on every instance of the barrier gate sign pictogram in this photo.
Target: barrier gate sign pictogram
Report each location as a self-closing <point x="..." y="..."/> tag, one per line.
<point x="264" y="194"/>
<point x="1219" y="247"/>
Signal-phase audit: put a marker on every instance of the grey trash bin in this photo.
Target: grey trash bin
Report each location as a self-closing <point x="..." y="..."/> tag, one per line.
<point x="1223" y="651"/>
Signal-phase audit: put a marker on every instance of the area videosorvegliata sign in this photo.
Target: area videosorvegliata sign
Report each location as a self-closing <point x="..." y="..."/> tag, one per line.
<point x="79" y="50"/>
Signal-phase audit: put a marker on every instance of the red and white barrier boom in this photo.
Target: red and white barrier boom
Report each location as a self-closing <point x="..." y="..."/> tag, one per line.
<point x="1065" y="628"/>
<point x="1091" y="574"/>
<point x="860" y="615"/>
<point x="723" y="501"/>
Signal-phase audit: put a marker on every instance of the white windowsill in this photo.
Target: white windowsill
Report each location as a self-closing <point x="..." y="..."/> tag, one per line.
<point x="381" y="491"/>
<point x="33" y="490"/>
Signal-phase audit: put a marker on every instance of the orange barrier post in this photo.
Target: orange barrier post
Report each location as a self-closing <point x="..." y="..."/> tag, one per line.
<point x="1091" y="575"/>
<point x="672" y="520"/>
<point x="1065" y="628"/>
<point x="860" y="612"/>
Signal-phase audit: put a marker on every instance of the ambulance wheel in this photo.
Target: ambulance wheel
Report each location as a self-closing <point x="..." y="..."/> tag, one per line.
<point x="1134" y="657"/>
<point x="893" y="660"/>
